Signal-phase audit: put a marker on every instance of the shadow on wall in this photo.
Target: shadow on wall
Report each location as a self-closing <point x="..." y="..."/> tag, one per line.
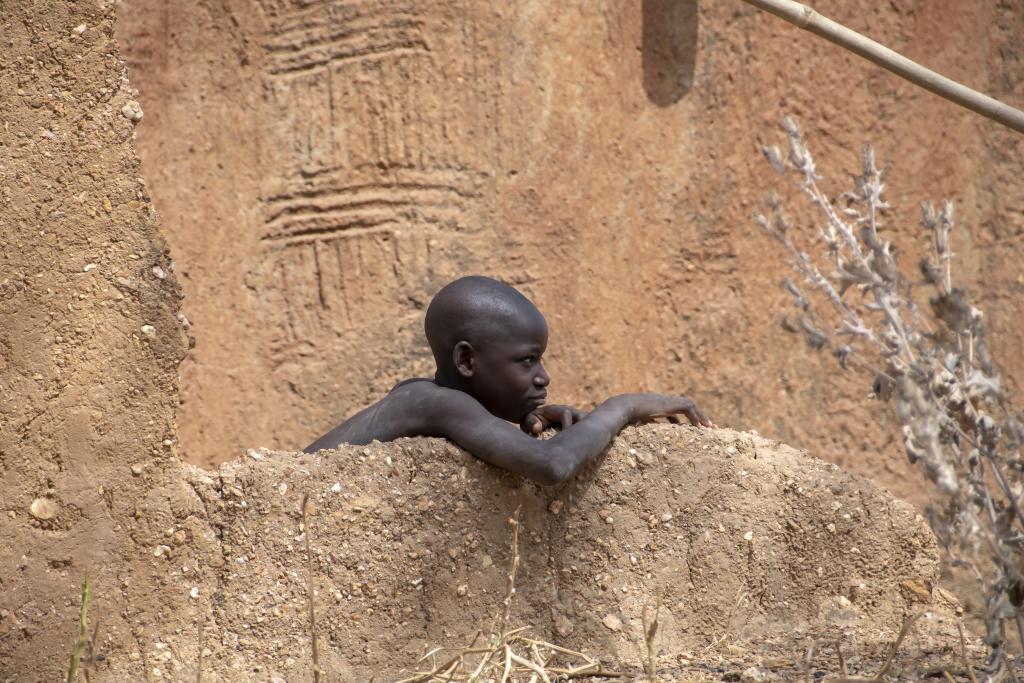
<point x="669" y="49"/>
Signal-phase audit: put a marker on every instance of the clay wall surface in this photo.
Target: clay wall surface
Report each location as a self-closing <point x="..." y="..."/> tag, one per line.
<point x="90" y="342"/>
<point x="89" y="348"/>
<point x="739" y="537"/>
<point x="323" y="167"/>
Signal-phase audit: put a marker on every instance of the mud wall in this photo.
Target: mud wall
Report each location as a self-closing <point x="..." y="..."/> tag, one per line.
<point x="738" y="537"/>
<point x="323" y="167"/>
<point x="90" y="345"/>
<point x="89" y="349"/>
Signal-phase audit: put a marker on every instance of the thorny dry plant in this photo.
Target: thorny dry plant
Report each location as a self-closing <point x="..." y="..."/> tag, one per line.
<point x="509" y="655"/>
<point x="933" y="361"/>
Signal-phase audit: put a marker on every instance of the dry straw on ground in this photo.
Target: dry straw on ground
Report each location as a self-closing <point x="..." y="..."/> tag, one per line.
<point x="511" y="655"/>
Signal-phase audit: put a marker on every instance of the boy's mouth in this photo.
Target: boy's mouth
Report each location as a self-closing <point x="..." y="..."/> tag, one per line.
<point x="537" y="399"/>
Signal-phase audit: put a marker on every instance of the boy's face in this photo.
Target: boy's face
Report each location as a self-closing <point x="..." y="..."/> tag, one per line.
<point x="508" y="377"/>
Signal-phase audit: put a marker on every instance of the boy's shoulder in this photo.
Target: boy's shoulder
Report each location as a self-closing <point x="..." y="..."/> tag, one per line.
<point x="426" y="397"/>
<point x="416" y="383"/>
<point x="420" y="388"/>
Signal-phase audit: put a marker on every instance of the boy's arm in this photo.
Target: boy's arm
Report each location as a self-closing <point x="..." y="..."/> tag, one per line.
<point x="460" y="418"/>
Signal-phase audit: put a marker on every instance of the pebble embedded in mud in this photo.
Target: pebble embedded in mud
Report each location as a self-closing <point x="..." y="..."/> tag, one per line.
<point x="43" y="509"/>
<point x="756" y="675"/>
<point x="563" y="626"/>
<point x="132" y="111"/>
<point x="148" y="330"/>
<point x="612" y="622"/>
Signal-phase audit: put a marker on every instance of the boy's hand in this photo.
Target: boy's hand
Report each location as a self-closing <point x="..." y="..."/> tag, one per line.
<point x="645" y="407"/>
<point x="550" y="415"/>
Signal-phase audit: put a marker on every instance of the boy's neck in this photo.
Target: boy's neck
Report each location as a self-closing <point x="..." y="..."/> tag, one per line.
<point x="450" y="379"/>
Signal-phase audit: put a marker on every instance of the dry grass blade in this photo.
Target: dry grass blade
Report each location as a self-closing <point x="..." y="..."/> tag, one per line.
<point x="741" y="597"/>
<point x="510" y="656"/>
<point x="307" y="510"/>
<point x="842" y="660"/>
<point x="513" y="568"/>
<point x="83" y="632"/>
<point x="908" y="622"/>
<point x="650" y="639"/>
<point x="963" y="653"/>
<point x="202" y="646"/>
<point x="532" y="666"/>
<point x="596" y="673"/>
<point x="808" y="656"/>
<point x="90" y="650"/>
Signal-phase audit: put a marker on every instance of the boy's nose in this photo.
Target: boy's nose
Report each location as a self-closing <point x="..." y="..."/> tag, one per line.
<point x="542" y="379"/>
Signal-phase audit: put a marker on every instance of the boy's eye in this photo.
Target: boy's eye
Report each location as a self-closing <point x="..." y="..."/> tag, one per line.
<point x="529" y="360"/>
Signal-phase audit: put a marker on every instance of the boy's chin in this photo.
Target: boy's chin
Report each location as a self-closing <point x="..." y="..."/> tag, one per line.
<point x="529" y="408"/>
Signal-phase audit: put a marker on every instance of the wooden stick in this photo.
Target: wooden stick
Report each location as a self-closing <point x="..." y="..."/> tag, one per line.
<point x="806" y="18"/>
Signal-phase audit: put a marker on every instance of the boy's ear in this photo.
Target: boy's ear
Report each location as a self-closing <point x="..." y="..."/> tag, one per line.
<point x="463" y="358"/>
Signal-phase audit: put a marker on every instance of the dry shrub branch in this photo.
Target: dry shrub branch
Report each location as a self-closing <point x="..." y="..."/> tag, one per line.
<point x="922" y="343"/>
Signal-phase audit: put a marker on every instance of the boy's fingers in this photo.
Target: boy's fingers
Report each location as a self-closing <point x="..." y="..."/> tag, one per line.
<point x="566" y="418"/>
<point x="531" y="424"/>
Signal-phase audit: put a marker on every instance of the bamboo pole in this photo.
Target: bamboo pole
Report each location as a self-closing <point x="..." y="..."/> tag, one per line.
<point x="806" y="18"/>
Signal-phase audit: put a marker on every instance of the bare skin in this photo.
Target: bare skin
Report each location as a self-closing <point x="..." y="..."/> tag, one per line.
<point x="488" y="341"/>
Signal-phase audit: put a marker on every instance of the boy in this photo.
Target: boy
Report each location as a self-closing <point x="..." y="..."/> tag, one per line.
<point x="487" y="340"/>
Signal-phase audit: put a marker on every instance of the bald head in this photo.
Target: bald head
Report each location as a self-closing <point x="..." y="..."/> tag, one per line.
<point x="478" y="310"/>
